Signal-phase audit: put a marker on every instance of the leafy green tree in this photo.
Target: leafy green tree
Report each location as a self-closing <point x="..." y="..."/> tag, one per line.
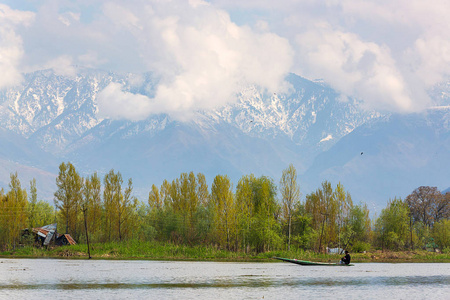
<point x="40" y="213"/>
<point x="154" y="224"/>
<point x="32" y="204"/>
<point x="224" y="211"/>
<point x="68" y="198"/>
<point x="13" y="213"/>
<point x="91" y="207"/>
<point x="290" y="195"/>
<point x="92" y="197"/>
<point x="44" y="214"/>
<point x="125" y="210"/>
<point x="146" y="229"/>
<point x="344" y="207"/>
<point x="185" y="197"/>
<point x="302" y="231"/>
<point x="203" y="214"/>
<point x="357" y="228"/>
<point x="154" y="198"/>
<point x="441" y="234"/>
<point x="265" y="233"/>
<point x="244" y="202"/>
<point x="167" y="221"/>
<point x="323" y="208"/>
<point x="112" y="192"/>
<point x="4" y="215"/>
<point x="392" y="226"/>
<point x="119" y="207"/>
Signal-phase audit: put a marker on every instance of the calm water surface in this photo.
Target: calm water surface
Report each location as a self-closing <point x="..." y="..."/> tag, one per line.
<point x="97" y="279"/>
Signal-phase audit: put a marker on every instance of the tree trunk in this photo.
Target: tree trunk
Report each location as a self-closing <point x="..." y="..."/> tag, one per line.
<point x="87" y="235"/>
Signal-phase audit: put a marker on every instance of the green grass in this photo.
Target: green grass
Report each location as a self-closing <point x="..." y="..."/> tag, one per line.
<point x="168" y="251"/>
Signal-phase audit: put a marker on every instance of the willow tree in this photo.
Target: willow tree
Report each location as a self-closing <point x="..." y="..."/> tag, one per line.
<point x="13" y="213"/>
<point x="119" y="205"/>
<point x="125" y="208"/>
<point x="154" y="217"/>
<point x="32" y="204"/>
<point x="203" y="214"/>
<point x="224" y="211"/>
<point x="392" y="225"/>
<point x="323" y="208"/>
<point x="290" y="196"/>
<point x="163" y="214"/>
<point x="112" y="192"/>
<point x="184" y="200"/>
<point x="244" y="202"/>
<point x="43" y="213"/>
<point x="68" y="197"/>
<point x="441" y="234"/>
<point x="93" y="193"/>
<point x="344" y="207"/>
<point x="91" y="206"/>
<point x="265" y="233"/>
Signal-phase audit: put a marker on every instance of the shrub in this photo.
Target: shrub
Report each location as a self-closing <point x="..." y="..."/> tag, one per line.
<point x="360" y="247"/>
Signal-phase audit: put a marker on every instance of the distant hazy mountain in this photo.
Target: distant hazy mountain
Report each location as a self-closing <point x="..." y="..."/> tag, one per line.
<point x="50" y="118"/>
<point x="389" y="157"/>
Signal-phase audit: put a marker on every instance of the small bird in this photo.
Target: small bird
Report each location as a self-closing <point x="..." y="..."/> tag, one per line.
<point x="362" y="153"/>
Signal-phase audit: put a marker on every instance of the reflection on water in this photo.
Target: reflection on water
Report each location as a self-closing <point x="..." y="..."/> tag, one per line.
<point x="52" y="278"/>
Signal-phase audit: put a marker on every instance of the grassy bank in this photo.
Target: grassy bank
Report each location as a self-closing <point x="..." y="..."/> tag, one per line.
<point x="159" y="251"/>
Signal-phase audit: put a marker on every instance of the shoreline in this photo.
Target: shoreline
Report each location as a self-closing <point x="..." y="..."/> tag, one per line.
<point x="171" y="252"/>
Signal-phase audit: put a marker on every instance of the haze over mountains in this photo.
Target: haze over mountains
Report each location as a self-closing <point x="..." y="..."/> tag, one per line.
<point x="49" y="119"/>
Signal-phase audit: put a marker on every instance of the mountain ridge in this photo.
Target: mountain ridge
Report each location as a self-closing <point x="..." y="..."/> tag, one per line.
<point x="261" y="133"/>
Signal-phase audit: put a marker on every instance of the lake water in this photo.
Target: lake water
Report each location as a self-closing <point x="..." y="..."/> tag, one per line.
<point x="106" y="279"/>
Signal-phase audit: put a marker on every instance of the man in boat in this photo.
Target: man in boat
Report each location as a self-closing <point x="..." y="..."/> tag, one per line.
<point x="346" y="259"/>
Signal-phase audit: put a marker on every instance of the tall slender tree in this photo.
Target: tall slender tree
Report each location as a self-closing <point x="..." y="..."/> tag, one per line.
<point x="67" y="197"/>
<point x="244" y="202"/>
<point x="32" y="204"/>
<point x="125" y="207"/>
<point x="265" y="233"/>
<point x="344" y="206"/>
<point x="112" y="192"/>
<point x="94" y="217"/>
<point x="290" y="195"/>
<point x="323" y="208"/>
<point x="13" y="213"/>
<point x="90" y="206"/>
<point x="224" y="208"/>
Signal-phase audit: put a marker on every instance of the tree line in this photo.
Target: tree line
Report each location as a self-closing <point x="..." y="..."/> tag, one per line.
<point x="256" y="215"/>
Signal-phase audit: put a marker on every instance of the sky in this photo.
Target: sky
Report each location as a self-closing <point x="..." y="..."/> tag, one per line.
<point x="385" y="54"/>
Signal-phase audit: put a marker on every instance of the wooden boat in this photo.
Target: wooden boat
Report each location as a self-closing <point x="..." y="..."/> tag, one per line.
<point x="311" y="263"/>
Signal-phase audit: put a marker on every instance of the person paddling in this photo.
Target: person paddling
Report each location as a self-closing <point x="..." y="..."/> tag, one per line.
<point x="346" y="259"/>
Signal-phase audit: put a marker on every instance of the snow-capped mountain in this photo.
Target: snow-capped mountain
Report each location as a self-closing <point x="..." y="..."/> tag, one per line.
<point x="50" y="118"/>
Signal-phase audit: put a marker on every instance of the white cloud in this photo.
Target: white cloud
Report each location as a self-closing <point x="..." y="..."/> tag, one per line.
<point x="11" y="44"/>
<point x="408" y="41"/>
<point x="356" y="68"/>
<point x="116" y="104"/>
<point x="432" y="56"/>
<point x="62" y="65"/>
<point x="420" y="30"/>
<point x="203" y="58"/>
<point x="387" y="54"/>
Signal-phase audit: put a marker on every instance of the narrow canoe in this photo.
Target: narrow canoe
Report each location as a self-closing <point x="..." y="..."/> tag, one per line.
<point x="311" y="263"/>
